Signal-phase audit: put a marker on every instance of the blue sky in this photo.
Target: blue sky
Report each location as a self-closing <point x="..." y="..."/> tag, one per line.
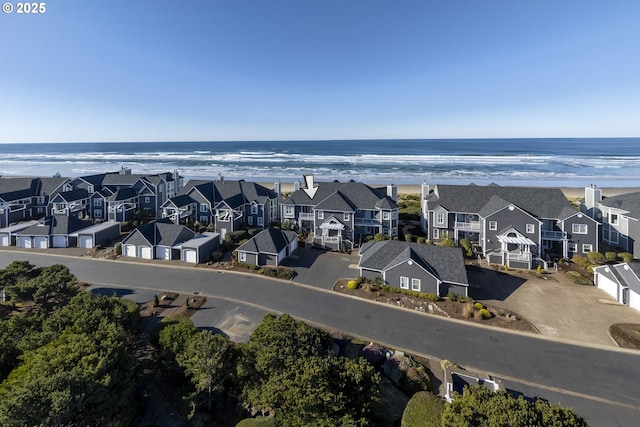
<point x="260" y="70"/>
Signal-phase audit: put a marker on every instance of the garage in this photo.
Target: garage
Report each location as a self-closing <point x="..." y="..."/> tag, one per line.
<point x="24" y="242"/>
<point x="130" y="250"/>
<point x="41" y="242"/>
<point x="4" y="240"/>
<point x="163" y="252"/>
<point x="85" y="242"/>
<point x="607" y="285"/>
<point x="146" y="252"/>
<point x="190" y="255"/>
<point x="59" y="241"/>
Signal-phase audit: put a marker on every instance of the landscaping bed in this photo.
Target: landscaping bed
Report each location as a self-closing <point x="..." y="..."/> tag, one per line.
<point x="464" y="309"/>
<point x="626" y="335"/>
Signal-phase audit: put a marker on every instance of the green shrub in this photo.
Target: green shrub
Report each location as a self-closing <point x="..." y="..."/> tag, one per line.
<point x="610" y="256"/>
<point x="486" y="314"/>
<point x="408" y="237"/>
<point x="447" y="242"/>
<point x="452" y="296"/>
<point x="352" y="284"/>
<point x="465" y="244"/>
<point x="424" y="409"/>
<point x="118" y="248"/>
<point x="595" y="257"/>
<point x="236" y="236"/>
<point x="422" y="240"/>
<point x="430" y="242"/>
<point x="253" y="231"/>
<point x="626" y="257"/>
<point x="379" y="237"/>
<point x="216" y="256"/>
<point x="247" y="265"/>
<point x="257" y="422"/>
<point x="579" y="278"/>
<point x="478" y="306"/>
<point x="581" y="261"/>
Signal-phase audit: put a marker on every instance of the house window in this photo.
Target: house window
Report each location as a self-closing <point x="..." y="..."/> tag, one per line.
<point x="97" y="213"/>
<point x="204" y="219"/>
<point x="415" y="285"/>
<point x="586" y="248"/>
<point x="90" y="189"/>
<point x="345" y="216"/>
<point x="254" y="209"/>
<point x="250" y="220"/>
<point x="573" y="247"/>
<point x="385" y="215"/>
<point x="614" y="237"/>
<point x="493" y="225"/>
<point x="440" y="218"/>
<point x="385" y="231"/>
<point x="404" y="282"/>
<point x="97" y="202"/>
<point x="436" y="233"/>
<point x="260" y="222"/>
<point x="203" y="207"/>
<point x="288" y="211"/>
<point x="147" y="199"/>
<point x="320" y="214"/>
<point x="614" y="219"/>
<point x="531" y="228"/>
<point x="579" y="228"/>
<point x="394" y="215"/>
<point x="242" y="256"/>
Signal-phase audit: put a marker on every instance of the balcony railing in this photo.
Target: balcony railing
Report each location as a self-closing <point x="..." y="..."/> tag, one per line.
<point x="305" y="216"/>
<point x="519" y="257"/>
<point x="367" y="221"/>
<point x="467" y="226"/>
<point x="554" y="235"/>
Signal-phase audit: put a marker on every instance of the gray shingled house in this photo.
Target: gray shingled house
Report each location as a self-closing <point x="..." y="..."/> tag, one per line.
<point x="417" y="267"/>
<point x="55" y="231"/>
<point x="269" y="247"/>
<point x="340" y="215"/>
<point x="27" y="198"/>
<point x="515" y="226"/>
<point x="619" y="216"/>
<point x="229" y="205"/>
<point x="158" y="239"/>
<point x="621" y="281"/>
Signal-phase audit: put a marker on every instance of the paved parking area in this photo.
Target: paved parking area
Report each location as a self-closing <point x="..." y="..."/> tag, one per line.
<point x="554" y="304"/>
<point x="321" y="268"/>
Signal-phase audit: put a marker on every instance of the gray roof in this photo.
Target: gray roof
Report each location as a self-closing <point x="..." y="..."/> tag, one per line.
<point x="179" y="201"/>
<point x="123" y="194"/>
<point x="159" y="233"/>
<point x="200" y="240"/>
<point x="269" y="241"/>
<point x="49" y="185"/>
<point x="627" y="202"/>
<point x="539" y="202"/>
<point x="56" y="224"/>
<point x="18" y="188"/>
<point x="447" y="264"/>
<point x="234" y="193"/>
<point x="338" y="196"/>
<point x="70" y="196"/>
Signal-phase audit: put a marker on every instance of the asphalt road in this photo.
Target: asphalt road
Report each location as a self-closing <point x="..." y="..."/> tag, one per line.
<point x="601" y="384"/>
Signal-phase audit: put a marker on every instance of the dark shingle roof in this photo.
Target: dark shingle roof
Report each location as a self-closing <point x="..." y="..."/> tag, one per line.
<point x="123" y="194"/>
<point x="56" y="224"/>
<point x="628" y="202"/>
<point x="49" y="185"/>
<point x="234" y="193"/>
<point x="447" y="264"/>
<point x="159" y="233"/>
<point x="180" y="201"/>
<point x="356" y="194"/>
<point x="70" y="196"/>
<point x="18" y="188"/>
<point x="269" y="241"/>
<point x="539" y="202"/>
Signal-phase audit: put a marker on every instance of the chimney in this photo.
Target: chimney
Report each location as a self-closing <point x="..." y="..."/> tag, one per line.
<point x="296" y="185"/>
<point x="392" y="192"/>
<point x="592" y="196"/>
<point x="125" y="170"/>
<point x="425" y="190"/>
<point x="278" y="191"/>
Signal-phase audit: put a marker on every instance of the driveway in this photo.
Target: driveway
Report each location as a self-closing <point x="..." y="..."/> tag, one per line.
<point x="553" y="303"/>
<point x="321" y="268"/>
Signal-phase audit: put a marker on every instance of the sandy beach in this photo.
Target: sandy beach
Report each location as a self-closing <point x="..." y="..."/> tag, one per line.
<point x="569" y="192"/>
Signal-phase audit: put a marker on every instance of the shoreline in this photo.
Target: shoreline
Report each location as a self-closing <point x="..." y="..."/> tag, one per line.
<point x="569" y="192"/>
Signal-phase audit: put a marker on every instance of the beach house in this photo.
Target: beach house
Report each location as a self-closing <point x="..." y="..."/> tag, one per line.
<point x="340" y="215"/>
<point x="514" y="226"/>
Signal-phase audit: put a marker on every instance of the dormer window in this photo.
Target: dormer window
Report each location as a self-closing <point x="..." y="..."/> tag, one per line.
<point x="254" y="209"/>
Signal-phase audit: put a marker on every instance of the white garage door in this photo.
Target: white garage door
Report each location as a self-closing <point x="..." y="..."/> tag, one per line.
<point x="189" y="255"/>
<point x="41" y="242"/>
<point x="4" y="240"/>
<point x="130" y="250"/>
<point x="146" y="252"/>
<point x="608" y="286"/>
<point x="24" y="242"/>
<point x="59" y="242"/>
<point x="86" y="242"/>
<point x="163" y="253"/>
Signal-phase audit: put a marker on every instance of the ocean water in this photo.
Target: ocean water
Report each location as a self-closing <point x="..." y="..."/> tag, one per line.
<point x="607" y="162"/>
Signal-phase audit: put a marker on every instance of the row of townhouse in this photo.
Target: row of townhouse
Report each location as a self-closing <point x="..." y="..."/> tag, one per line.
<point x="112" y="196"/>
<point x="340" y="215"/>
<point x="228" y="205"/>
<point x="515" y="226"/>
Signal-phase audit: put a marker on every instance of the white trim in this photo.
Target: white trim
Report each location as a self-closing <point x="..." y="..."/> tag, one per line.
<point x="530" y="228"/>
<point x="415" y="284"/>
<point x="579" y="229"/>
<point x="242" y="256"/>
<point x="585" y="246"/>
<point x="320" y="214"/>
<point x="404" y="282"/>
<point x="493" y="225"/>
